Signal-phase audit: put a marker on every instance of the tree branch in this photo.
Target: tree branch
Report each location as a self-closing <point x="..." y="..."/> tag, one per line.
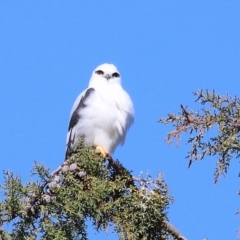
<point x="85" y="187"/>
<point x="171" y="229"/>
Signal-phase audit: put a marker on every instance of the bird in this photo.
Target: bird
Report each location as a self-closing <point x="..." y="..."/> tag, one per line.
<point x="102" y="114"/>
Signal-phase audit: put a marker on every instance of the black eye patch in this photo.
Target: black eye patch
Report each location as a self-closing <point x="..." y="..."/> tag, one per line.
<point x="115" y="74"/>
<point x="99" y="72"/>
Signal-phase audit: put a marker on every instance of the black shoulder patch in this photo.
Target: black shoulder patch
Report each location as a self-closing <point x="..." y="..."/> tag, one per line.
<point x="82" y="104"/>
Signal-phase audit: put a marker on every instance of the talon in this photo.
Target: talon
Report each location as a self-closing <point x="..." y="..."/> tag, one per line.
<point x="102" y="151"/>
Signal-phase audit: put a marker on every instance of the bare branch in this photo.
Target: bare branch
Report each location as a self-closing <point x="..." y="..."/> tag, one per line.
<point x="171" y="229"/>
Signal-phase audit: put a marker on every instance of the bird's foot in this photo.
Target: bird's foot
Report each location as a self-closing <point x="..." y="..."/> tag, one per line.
<point x="102" y="151"/>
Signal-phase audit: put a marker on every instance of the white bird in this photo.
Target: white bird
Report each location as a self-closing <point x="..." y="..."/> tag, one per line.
<point x="101" y="114"/>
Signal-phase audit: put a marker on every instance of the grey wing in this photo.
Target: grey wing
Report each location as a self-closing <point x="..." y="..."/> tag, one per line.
<point x="72" y="139"/>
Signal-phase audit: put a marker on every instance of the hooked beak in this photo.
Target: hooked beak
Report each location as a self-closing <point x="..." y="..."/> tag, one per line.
<point x="107" y="76"/>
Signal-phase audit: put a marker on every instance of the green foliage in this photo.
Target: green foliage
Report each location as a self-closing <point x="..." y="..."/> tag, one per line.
<point x="219" y="111"/>
<point x="86" y="188"/>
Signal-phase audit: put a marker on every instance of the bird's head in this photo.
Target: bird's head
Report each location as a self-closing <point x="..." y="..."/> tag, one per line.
<point x="106" y="73"/>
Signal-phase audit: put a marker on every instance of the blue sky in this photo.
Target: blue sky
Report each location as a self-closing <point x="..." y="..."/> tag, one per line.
<point x="164" y="51"/>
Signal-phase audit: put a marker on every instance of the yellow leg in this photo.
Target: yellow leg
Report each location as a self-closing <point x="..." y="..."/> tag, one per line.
<point x="102" y="151"/>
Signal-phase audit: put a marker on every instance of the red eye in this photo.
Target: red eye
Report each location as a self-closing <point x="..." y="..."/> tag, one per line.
<point x="99" y="72"/>
<point x="115" y="74"/>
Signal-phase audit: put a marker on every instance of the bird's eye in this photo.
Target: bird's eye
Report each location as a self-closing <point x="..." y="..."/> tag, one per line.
<point x="99" y="72"/>
<point x="115" y="74"/>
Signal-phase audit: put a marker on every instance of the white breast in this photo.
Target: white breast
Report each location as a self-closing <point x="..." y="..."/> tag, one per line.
<point x="107" y="117"/>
